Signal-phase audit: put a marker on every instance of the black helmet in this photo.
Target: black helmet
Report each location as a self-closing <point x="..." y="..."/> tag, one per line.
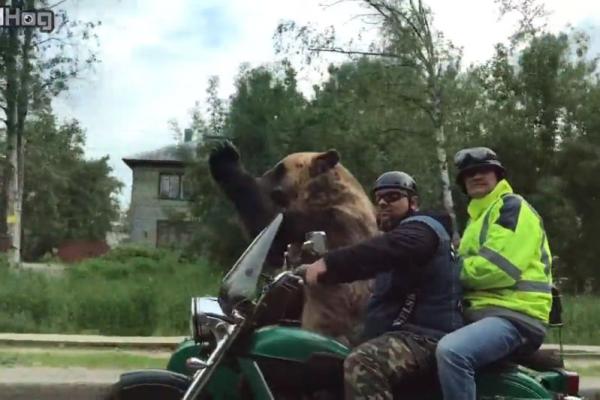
<point x="477" y="157"/>
<point x="396" y="180"/>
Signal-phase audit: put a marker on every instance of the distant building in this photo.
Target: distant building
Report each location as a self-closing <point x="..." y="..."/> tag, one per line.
<point x="159" y="209"/>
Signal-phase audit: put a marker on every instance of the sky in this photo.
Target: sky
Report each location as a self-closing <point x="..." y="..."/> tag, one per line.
<point x="156" y="58"/>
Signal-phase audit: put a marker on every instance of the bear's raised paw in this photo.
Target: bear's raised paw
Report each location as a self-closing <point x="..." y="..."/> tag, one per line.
<point x="223" y="158"/>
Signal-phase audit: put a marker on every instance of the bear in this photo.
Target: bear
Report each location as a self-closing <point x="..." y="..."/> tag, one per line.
<point x="315" y="193"/>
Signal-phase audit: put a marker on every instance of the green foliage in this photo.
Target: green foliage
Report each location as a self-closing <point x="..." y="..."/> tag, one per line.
<point x="36" y="66"/>
<point x="91" y="204"/>
<point x="581" y="322"/>
<point x="65" y="196"/>
<point x="130" y="291"/>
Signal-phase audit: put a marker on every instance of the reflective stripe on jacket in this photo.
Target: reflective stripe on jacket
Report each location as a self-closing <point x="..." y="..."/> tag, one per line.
<point x="506" y="256"/>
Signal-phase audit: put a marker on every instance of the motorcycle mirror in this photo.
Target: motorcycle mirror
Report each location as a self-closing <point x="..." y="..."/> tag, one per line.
<point x="316" y="243"/>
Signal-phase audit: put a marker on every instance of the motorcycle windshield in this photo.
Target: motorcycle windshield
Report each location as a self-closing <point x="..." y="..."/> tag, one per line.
<point x="241" y="281"/>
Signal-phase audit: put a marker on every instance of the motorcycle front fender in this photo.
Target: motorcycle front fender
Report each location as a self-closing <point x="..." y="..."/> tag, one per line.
<point x="231" y="379"/>
<point x="186" y="349"/>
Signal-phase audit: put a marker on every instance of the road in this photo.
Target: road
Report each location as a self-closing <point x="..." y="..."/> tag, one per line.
<point x="590" y="388"/>
<point x="53" y="392"/>
<point x="23" y="383"/>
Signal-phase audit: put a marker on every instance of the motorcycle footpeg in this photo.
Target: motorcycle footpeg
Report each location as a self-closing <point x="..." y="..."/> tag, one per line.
<point x="195" y="364"/>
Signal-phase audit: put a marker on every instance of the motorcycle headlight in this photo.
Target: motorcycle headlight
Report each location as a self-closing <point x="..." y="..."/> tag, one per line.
<point x="205" y="312"/>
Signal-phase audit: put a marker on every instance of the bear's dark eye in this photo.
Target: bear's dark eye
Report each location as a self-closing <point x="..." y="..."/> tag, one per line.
<point x="275" y="174"/>
<point x="279" y="171"/>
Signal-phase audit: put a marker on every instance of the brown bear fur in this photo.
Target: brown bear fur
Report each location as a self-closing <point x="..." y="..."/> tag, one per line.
<point x="315" y="192"/>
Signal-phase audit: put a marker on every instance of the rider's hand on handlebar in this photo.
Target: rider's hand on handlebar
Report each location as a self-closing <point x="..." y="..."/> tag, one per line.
<point x="313" y="271"/>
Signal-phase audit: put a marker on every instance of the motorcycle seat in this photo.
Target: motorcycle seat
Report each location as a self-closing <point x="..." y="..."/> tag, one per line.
<point x="541" y="360"/>
<point x="326" y="371"/>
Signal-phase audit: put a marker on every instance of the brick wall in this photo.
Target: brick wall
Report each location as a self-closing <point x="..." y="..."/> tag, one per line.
<point x="77" y="250"/>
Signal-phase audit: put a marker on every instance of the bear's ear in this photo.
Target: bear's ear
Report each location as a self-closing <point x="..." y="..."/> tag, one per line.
<point x="324" y="162"/>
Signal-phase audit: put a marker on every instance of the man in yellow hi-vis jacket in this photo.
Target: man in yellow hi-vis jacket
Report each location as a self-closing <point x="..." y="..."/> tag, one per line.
<point x="506" y="276"/>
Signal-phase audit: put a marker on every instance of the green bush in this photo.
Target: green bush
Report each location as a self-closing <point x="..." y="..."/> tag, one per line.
<point x="130" y="291"/>
<point x="139" y="291"/>
<point x="581" y="317"/>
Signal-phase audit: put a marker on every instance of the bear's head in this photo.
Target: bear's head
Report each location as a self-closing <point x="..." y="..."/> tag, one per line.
<point x="311" y="179"/>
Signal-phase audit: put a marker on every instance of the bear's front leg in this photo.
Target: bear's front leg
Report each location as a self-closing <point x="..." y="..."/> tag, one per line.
<point x="254" y="207"/>
<point x="224" y="162"/>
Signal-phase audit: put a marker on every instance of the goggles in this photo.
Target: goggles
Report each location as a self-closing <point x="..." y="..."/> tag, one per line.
<point x="475" y="155"/>
<point x="389" y="197"/>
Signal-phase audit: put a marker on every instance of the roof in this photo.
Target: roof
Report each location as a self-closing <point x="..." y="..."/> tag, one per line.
<point x="174" y="154"/>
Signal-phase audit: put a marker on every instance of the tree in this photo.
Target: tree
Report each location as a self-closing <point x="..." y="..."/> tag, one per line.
<point x="358" y="112"/>
<point x="91" y="204"/>
<point x="532" y="18"/>
<point x="410" y="47"/>
<point x="216" y="108"/>
<point x="65" y="195"/>
<point x="35" y="66"/>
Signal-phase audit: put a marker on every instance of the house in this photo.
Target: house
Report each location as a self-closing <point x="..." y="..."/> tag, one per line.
<point x="159" y="209"/>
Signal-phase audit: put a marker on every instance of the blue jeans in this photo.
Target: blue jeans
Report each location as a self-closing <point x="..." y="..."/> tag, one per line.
<point x="463" y="351"/>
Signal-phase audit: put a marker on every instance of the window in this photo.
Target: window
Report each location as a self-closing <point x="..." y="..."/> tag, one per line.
<point x="173" y="233"/>
<point x="171" y="186"/>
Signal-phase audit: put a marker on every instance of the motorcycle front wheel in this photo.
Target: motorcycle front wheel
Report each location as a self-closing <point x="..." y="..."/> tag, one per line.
<point x="149" y="385"/>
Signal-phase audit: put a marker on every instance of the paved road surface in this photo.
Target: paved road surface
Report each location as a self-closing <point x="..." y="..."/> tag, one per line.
<point x="590" y="388"/>
<point x="53" y="392"/>
<point x="36" y="383"/>
<point x="22" y="383"/>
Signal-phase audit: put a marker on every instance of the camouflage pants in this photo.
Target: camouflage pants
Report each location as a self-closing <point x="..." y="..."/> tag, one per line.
<point x="374" y="367"/>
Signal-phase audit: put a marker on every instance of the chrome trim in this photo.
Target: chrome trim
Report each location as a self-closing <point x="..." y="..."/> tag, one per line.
<point x="209" y="305"/>
<point x="194" y="364"/>
<point x="207" y="315"/>
<point x="225" y="333"/>
<point x="263" y="380"/>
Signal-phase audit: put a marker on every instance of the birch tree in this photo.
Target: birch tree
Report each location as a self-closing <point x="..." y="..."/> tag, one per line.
<point x="409" y="42"/>
<point x="35" y="66"/>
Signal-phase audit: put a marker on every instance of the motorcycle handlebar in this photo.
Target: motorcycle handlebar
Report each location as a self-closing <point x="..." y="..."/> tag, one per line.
<point x="300" y="272"/>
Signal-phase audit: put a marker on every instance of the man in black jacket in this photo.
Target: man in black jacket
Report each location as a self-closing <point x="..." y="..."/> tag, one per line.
<point x="417" y="290"/>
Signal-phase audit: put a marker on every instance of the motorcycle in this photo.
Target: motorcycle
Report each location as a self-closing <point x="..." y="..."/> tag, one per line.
<point x="242" y="348"/>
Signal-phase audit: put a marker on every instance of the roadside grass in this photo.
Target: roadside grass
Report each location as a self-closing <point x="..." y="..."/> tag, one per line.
<point x="593" y="370"/>
<point x="581" y="316"/>
<point x="142" y="291"/>
<point x="585" y="368"/>
<point x="130" y="291"/>
<point x="93" y="359"/>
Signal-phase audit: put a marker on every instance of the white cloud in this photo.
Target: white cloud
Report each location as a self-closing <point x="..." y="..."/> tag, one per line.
<point x="156" y="58"/>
